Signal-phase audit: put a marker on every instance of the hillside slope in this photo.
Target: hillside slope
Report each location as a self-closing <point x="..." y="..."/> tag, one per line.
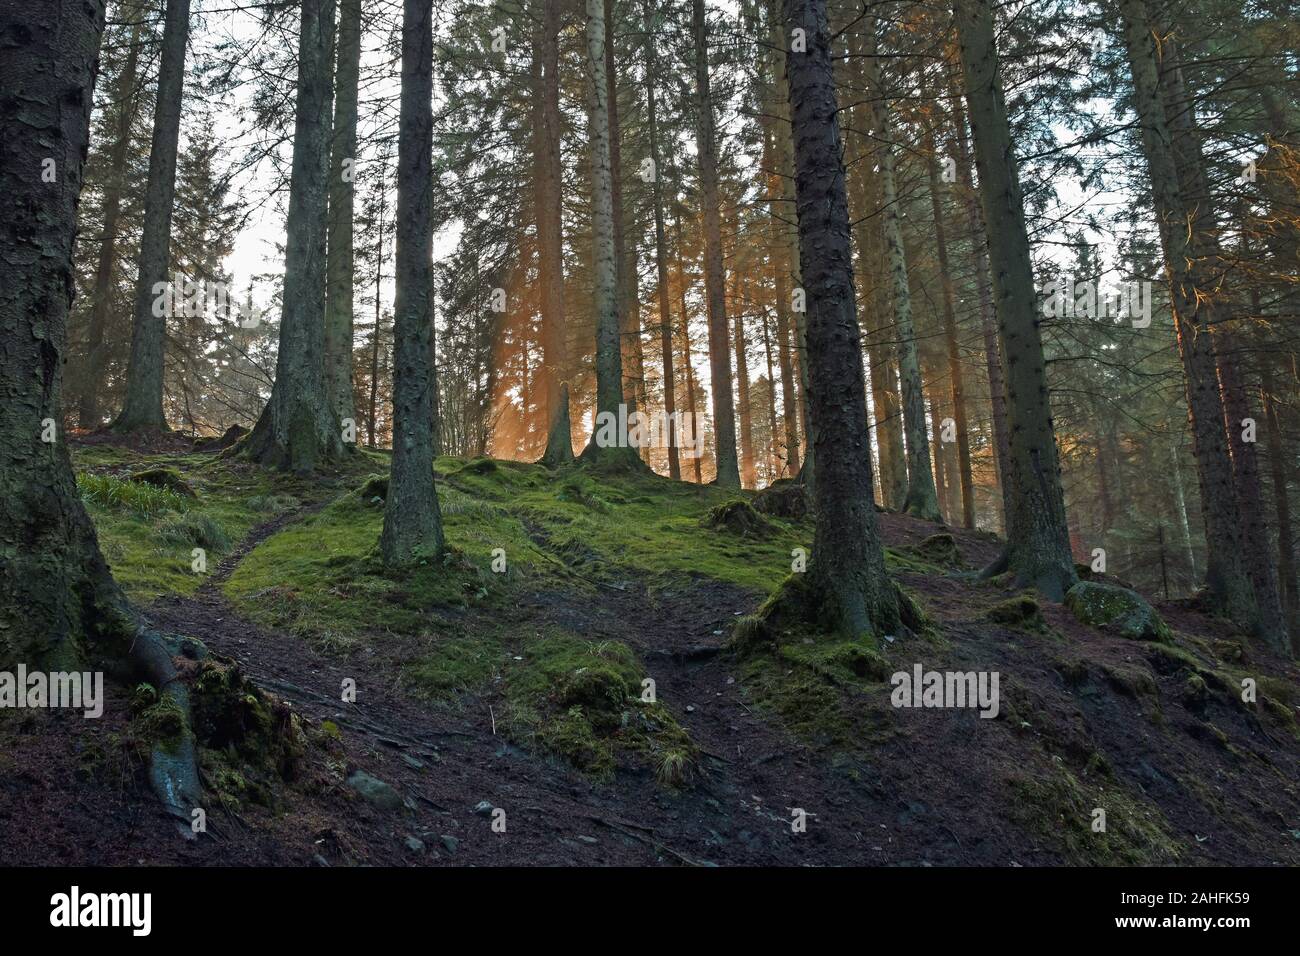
<point x="513" y="676"/>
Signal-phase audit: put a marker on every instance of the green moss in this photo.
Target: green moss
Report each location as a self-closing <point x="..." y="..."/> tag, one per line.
<point x="1059" y="808"/>
<point x="1116" y="610"/>
<point x="160" y="723"/>
<point x="737" y="517"/>
<point x="198" y="530"/>
<point x="167" y="478"/>
<point x="939" y="549"/>
<point x="1021" y="611"/>
<point x="457" y="665"/>
<point x="582" y="701"/>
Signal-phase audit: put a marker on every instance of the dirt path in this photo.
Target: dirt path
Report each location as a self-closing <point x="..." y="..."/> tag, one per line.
<point x="447" y="760"/>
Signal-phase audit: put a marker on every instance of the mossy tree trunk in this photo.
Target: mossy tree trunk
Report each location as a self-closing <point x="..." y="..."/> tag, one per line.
<point x="298" y="430"/>
<point x="1038" y="540"/>
<point x="340" y="265"/>
<point x="142" y="409"/>
<point x="715" y="293"/>
<point x="412" y="522"/>
<point x="59" y="605"/>
<point x="847" y="573"/>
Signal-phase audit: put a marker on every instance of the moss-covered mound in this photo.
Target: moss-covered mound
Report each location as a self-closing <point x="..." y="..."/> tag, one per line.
<point x="1116" y="610"/>
<point x="164" y="478"/>
<point x="738" y="517"/>
<point x="783" y="499"/>
<point x="939" y="549"/>
<point x="1021" y="611"/>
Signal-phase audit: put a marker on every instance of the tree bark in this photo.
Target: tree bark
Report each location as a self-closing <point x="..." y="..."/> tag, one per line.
<point x="340" y="268"/>
<point x="143" y="406"/>
<point x="1038" y="540"/>
<point x="692" y="407"/>
<point x="661" y="250"/>
<point x="609" y="359"/>
<point x="412" y="522"/>
<point x="724" y="415"/>
<point x="955" y="378"/>
<point x="59" y="605"/>
<point x="781" y="289"/>
<point x="550" y="237"/>
<point x="984" y="293"/>
<point x="298" y="430"/>
<point x="748" y="470"/>
<point x="1281" y="495"/>
<point x="782" y="129"/>
<point x="847" y="573"/>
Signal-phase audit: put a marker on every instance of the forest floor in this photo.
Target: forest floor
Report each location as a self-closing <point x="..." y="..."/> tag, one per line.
<point x="510" y="678"/>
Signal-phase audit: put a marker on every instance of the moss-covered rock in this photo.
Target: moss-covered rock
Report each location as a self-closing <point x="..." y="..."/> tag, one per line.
<point x="783" y="499"/>
<point x="374" y="489"/>
<point x="939" y="549"/>
<point x="1116" y="610"/>
<point x="164" y="478"/>
<point x="738" y="517"/>
<point x="1021" y="611"/>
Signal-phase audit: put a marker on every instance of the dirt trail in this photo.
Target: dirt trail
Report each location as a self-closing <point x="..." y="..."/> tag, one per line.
<point x="752" y="775"/>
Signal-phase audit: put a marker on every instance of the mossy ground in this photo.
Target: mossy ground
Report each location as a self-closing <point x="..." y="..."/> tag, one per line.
<point x="451" y="632"/>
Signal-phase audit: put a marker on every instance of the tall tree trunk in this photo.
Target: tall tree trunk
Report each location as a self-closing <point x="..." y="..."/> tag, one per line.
<point x="412" y="522"/>
<point x="1281" y="495"/>
<point x="847" y="575"/>
<point x="297" y="429"/>
<point x="143" y="407"/>
<point x="1252" y="530"/>
<point x="624" y="252"/>
<point x="922" y="498"/>
<point x="777" y="250"/>
<point x="550" y="237"/>
<point x="773" y="462"/>
<point x="1228" y="588"/>
<point x="782" y="129"/>
<point x="984" y="293"/>
<point x="865" y="194"/>
<point x="340" y="269"/>
<point x="661" y="250"/>
<point x="1038" y="540"/>
<point x="697" y="431"/>
<point x="609" y="359"/>
<point x="89" y="410"/>
<point x="59" y="605"/>
<point x="955" y="379"/>
<point x="724" y="415"/>
<point x="746" y="411"/>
